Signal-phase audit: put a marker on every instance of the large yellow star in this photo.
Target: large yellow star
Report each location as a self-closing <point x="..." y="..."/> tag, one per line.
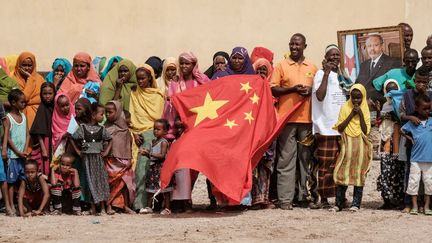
<point x="230" y="124"/>
<point x="246" y="87"/>
<point x="255" y="98"/>
<point x="208" y="109"/>
<point x="249" y="117"/>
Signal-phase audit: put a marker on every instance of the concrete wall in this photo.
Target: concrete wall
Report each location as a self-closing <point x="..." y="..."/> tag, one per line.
<point x="137" y="29"/>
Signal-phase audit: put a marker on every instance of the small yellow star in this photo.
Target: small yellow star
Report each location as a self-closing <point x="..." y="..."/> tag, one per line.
<point x="246" y="87"/>
<point x="208" y="109"/>
<point x="255" y="98"/>
<point x="230" y="124"/>
<point x="249" y="117"/>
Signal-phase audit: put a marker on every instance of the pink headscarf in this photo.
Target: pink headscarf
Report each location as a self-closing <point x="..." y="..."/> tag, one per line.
<point x="198" y="76"/>
<point x="73" y="85"/>
<point x="263" y="62"/>
<point x="60" y="122"/>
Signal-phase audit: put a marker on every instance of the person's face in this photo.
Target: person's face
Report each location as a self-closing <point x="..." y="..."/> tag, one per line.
<point x="171" y="71"/>
<point x="178" y="128"/>
<point x="219" y="63"/>
<point x="186" y="66"/>
<point x="65" y="165"/>
<point x="410" y="61"/>
<point x="374" y="47"/>
<point x="262" y="71"/>
<point x="110" y="112"/>
<point x="30" y="171"/>
<point x="48" y="95"/>
<point x="143" y="78"/>
<point x="356" y="97"/>
<point x="408" y="36"/>
<point x="80" y="69"/>
<point x="128" y="121"/>
<point x="421" y="83"/>
<point x="59" y="71"/>
<point x="423" y="109"/>
<point x="427" y="58"/>
<point x="99" y="115"/>
<point x="20" y="104"/>
<point x="391" y="86"/>
<point x="333" y="56"/>
<point x="296" y="46"/>
<point x="63" y="104"/>
<point x="79" y="110"/>
<point x="123" y="72"/>
<point x="26" y="65"/>
<point x="158" y="130"/>
<point x="237" y="62"/>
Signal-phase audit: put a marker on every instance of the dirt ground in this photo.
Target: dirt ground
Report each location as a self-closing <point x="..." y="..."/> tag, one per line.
<point x="274" y="225"/>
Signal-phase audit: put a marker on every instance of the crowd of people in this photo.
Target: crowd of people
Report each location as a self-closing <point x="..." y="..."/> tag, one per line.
<point x="91" y="136"/>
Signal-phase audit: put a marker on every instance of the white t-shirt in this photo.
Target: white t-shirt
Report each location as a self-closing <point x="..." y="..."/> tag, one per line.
<point x="325" y="113"/>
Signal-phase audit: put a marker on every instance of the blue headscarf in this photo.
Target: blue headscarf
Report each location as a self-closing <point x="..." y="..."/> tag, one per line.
<point x="99" y="63"/>
<point x="247" y="65"/>
<point x="95" y="86"/>
<point x="109" y="65"/>
<point x="57" y="62"/>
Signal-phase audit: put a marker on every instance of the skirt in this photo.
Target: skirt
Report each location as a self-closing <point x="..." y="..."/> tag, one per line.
<point x="326" y="154"/>
<point x="153" y="179"/>
<point x="391" y="180"/>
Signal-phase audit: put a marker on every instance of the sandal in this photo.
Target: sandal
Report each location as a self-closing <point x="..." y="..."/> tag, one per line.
<point x="428" y="212"/>
<point x="354" y="209"/>
<point x="146" y="210"/>
<point x="112" y="212"/>
<point x="166" y="211"/>
<point x="334" y="209"/>
<point x="414" y="211"/>
<point x="56" y="212"/>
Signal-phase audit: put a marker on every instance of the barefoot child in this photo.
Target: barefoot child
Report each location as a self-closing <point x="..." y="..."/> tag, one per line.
<point x="33" y="193"/>
<point x="91" y="138"/>
<point x="65" y="183"/>
<point x="17" y="140"/>
<point x="157" y="153"/>
<point x="421" y="154"/>
<point x="121" y="177"/>
<point x="3" y="182"/>
<point x="354" y="159"/>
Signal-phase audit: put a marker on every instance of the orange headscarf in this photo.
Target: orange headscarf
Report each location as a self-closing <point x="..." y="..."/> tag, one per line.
<point x="264" y="62"/>
<point x="30" y="87"/>
<point x="73" y="85"/>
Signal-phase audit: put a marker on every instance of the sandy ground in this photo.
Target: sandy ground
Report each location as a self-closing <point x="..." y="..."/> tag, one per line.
<point x="275" y="225"/>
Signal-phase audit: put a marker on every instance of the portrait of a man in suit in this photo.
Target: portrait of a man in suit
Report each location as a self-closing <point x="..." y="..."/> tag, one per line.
<point x="377" y="64"/>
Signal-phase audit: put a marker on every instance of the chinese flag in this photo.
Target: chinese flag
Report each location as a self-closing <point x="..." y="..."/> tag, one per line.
<point x="230" y="123"/>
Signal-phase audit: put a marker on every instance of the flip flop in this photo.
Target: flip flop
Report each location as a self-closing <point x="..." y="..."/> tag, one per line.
<point x="428" y="212"/>
<point x="414" y="211"/>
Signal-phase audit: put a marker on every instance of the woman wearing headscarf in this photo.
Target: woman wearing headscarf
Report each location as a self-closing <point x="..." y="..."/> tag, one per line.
<point x="261" y="52"/>
<point x="239" y="63"/>
<point x="145" y="107"/>
<point x="118" y="83"/>
<point x="263" y="68"/>
<point x="169" y="72"/>
<point x="82" y="72"/>
<point x="220" y="62"/>
<point x="111" y="64"/>
<point x="29" y="81"/>
<point x="60" y="69"/>
<point x="121" y="177"/>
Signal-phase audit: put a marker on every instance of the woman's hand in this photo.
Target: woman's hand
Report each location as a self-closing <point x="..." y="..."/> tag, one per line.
<point x="91" y="93"/>
<point x="120" y="82"/>
<point x="138" y="139"/>
<point x="27" y="74"/>
<point x="57" y="78"/>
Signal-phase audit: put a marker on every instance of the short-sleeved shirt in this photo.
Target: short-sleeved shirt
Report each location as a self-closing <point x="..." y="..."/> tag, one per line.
<point x="289" y="73"/>
<point x="399" y="74"/>
<point x="422" y="135"/>
<point x="325" y="113"/>
<point x="92" y="138"/>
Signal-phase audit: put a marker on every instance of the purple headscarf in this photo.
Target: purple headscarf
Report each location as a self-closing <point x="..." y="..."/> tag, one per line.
<point x="246" y="69"/>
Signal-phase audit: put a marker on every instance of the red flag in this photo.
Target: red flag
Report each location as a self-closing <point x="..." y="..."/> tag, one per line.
<point x="230" y="123"/>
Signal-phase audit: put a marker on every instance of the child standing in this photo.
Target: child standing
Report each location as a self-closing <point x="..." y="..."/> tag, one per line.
<point x="17" y="140"/>
<point x="91" y="137"/>
<point x="354" y="159"/>
<point x="41" y="130"/>
<point x="421" y="154"/>
<point x="156" y="154"/>
<point x="3" y="182"/>
<point x="121" y="177"/>
<point x="33" y="194"/>
<point x="65" y="182"/>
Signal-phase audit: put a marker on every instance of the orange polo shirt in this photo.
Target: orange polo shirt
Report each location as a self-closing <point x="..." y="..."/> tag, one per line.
<point x="288" y="74"/>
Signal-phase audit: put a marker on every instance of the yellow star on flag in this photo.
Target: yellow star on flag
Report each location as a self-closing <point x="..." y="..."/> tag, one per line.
<point x="249" y="117"/>
<point x="230" y="124"/>
<point x="255" y="98"/>
<point x="208" y="109"/>
<point x="246" y="87"/>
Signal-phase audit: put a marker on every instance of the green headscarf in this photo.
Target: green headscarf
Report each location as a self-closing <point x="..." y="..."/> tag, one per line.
<point x="6" y="85"/>
<point x="109" y="84"/>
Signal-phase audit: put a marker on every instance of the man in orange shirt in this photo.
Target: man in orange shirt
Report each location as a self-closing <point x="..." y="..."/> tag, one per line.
<point x="292" y="82"/>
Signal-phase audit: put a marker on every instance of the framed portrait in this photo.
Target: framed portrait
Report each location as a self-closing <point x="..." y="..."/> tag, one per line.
<point x="357" y="46"/>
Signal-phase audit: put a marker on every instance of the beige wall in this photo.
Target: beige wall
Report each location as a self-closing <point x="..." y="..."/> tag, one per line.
<point x="137" y="29"/>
